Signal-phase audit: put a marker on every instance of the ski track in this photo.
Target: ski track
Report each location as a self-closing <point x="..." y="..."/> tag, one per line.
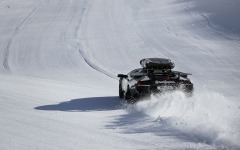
<point x="58" y="85"/>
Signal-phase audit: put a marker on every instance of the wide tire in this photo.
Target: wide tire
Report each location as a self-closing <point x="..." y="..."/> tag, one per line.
<point x="127" y="95"/>
<point x="121" y="94"/>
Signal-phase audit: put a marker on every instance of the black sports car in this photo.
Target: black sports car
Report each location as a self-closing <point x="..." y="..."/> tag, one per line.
<point x="155" y="76"/>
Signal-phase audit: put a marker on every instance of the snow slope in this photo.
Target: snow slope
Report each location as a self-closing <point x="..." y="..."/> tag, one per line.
<point x="59" y="60"/>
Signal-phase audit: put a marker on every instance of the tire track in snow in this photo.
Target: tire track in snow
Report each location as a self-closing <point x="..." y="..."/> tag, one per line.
<point x="17" y="30"/>
<point x="88" y="61"/>
<point x="94" y="66"/>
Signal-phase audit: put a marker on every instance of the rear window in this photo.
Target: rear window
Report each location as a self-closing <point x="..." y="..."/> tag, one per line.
<point x="157" y="72"/>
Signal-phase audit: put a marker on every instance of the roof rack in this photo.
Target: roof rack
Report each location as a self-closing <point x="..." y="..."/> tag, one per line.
<point x="157" y="63"/>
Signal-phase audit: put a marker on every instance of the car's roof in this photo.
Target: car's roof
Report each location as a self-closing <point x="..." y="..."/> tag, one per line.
<point x="144" y="71"/>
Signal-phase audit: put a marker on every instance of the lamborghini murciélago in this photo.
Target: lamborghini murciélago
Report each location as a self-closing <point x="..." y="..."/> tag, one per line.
<point x="155" y="76"/>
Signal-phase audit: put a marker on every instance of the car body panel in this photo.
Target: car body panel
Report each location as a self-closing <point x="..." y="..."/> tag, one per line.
<point x="144" y="81"/>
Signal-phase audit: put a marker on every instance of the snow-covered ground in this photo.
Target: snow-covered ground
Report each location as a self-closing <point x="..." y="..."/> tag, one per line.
<point x="59" y="60"/>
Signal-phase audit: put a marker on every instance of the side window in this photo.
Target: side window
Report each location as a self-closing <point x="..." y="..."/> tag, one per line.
<point x="134" y="72"/>
<point x="129" y="74"/>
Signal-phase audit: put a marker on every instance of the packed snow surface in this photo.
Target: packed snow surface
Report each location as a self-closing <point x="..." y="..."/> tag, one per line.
<point x="59" y="60"/>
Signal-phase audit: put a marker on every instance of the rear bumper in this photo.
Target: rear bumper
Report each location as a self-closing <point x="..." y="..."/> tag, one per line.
<point x="146" y="90"/>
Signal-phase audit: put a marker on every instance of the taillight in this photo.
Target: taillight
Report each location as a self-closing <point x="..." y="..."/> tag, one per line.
<point x="187" y="82"/>
<point x="143" y="83"/>
<point x="140" y="83"/>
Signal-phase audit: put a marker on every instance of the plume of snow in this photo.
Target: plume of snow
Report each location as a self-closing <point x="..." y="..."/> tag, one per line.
<point x="208" y="116"/>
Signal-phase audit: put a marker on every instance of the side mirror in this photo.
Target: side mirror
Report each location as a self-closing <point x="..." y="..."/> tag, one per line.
<point x="122" y="76"/>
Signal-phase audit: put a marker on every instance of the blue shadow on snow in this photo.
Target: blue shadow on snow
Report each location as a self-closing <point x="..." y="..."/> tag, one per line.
<point x="85" y="104"/>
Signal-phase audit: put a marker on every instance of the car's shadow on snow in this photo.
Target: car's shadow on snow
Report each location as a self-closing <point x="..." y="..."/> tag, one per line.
<point x="85" y="104"/>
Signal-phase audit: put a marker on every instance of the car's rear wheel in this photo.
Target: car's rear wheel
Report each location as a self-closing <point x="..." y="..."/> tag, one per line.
<point x="121" y="94"/>
<point x="127" y="95"/>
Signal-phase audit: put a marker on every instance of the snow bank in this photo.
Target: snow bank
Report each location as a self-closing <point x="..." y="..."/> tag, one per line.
<point x="208" y="116"/>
